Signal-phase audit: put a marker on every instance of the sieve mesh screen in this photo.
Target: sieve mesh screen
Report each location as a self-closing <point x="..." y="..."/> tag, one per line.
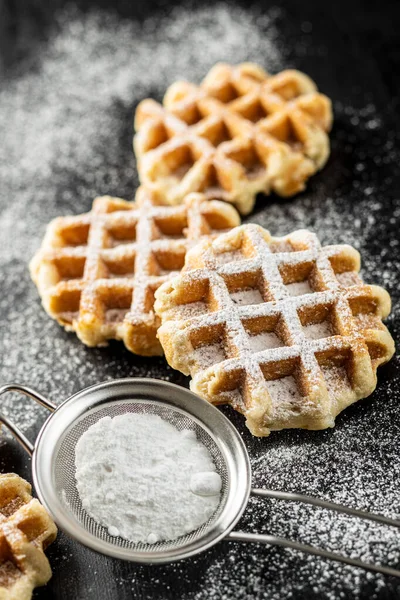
<point x="64" y="469"/>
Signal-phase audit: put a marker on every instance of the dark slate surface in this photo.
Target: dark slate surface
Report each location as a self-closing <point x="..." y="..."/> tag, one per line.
<point x="358" y="66"/>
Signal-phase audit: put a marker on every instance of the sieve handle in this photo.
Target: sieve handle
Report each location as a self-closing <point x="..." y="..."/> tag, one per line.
<point x="22" y="389"/>
<point x="291" y="497"/>
<point x="239" y="536"/>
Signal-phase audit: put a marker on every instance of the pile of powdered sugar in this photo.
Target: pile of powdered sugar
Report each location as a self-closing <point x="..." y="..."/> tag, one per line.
<point x="66" y="137"/>
<point x="144" y="480"/>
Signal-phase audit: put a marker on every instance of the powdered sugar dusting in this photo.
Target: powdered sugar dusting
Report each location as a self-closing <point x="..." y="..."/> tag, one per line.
<point x="316" y="331"/>
<point x="207" y="356"/>
<point x="299" y="288"/>
<point x="284" y="391"/>
<point x="264" y="341"/>
<point x="336" y="380"/>
<point x="254" y="373"/>
<point x="74" y="139"/>
<point x="348" y="279"/>
<point x="225" y="258"/>
<point x="247" y="297"/>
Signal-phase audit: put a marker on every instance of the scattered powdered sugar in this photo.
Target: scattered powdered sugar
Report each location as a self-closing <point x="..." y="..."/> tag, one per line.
<point x="107" y="63"/>
<point x="145" y="480"/>
<point x="225" y="258"/>
<point x="209" y="355"/>
<point x="336" y="380"/>
<point x="284" y="391"/>
<point x="348" y="279"/>
<point x="298" y="288"/>
<point x="247" y="297"/>
<point x="115" y="315"/>
<point x="263" y="341"/>
<point x="66" y="137"/>
<point x="316" y="331"/>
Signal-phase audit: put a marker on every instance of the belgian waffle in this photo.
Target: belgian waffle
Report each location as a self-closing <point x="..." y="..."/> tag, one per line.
<point x="241" y="132"/>
<point x="282" y="329"/>
<point x="25" y="532"/>
<point x="97" y="272"/>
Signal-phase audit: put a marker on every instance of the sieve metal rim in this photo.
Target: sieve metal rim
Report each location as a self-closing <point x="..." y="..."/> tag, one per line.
<point x="225" y="531"/>
<point x="221" y="430"/>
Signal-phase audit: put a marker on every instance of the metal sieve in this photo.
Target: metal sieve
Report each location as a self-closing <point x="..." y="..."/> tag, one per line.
<point x="53" y="470"/>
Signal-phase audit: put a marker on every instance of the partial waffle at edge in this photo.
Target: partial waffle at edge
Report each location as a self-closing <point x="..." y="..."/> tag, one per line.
<point x="25" y="532"/>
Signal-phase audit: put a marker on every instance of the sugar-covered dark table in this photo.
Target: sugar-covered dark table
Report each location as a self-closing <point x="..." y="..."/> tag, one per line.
<point x="70" y="82"/>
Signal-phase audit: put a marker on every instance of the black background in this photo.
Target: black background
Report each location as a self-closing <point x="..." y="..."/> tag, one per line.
<point x="359" y="65"/>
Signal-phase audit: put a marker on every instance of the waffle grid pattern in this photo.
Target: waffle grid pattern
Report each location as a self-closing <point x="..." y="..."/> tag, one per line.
<point x="239" y="133"/>
<point x="97" y="272"/>
<point x="25" y="531"/>
<point x="280" y="328"/>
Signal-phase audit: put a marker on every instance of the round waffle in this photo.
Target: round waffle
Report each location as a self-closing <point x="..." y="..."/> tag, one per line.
<point x="241" y="132"/>
<point x="282" y="329"/>
<point x="97" y="272"/>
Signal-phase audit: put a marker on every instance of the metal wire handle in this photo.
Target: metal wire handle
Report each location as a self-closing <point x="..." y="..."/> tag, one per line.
<point x="239" y="536"/>
<point x="27" y="391"/>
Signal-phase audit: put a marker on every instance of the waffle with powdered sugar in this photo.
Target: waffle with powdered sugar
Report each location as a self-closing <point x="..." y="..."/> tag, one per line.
<point x="241" y="132"/>
<point x="282" y="329"/>
<point x="25" y="532"/>
<point x="97" y="272"/>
